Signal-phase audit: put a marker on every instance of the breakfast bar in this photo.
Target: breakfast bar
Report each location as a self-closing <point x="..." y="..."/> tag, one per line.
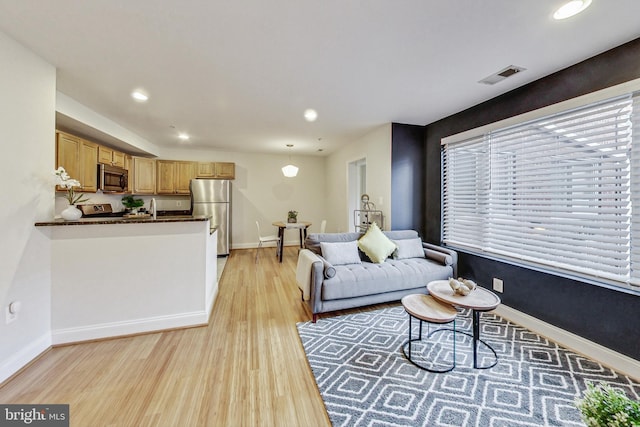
<point x="115" y="276"/>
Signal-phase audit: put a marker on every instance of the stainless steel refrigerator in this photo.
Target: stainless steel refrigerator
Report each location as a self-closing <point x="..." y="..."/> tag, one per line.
<point x="212" y="198"/>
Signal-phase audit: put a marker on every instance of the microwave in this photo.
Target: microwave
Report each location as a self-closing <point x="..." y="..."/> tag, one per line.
<point x="112" y="179"/>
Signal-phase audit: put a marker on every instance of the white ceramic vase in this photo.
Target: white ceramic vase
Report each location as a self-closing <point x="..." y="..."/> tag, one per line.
<point x="71" y="213"/>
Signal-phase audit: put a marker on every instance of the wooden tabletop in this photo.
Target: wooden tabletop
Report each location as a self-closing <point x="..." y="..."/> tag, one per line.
<point x="480" y="299"/>
<point x="299" y="224"/>
<point x="427" y="308"/>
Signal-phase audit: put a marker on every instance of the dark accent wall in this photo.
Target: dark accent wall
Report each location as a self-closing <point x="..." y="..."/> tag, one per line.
<point x="608" y="317"/>
<point x="407" y="179"/>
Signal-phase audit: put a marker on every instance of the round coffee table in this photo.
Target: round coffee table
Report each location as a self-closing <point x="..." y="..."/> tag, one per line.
<point x="478" y="300"/>
<point x="426" y="308"/>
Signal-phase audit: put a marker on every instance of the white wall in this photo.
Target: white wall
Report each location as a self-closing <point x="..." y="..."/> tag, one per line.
<point x="376" y="148"/>
<point x="260" y="191"/>
<point x="27" y="144"/>
<point x="160" y="276"/>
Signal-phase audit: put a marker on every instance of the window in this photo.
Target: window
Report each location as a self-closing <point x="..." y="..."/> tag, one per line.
<point x="558" y="191"/>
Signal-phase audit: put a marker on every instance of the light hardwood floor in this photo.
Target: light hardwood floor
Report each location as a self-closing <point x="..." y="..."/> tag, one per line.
<point x="246" y="368"/>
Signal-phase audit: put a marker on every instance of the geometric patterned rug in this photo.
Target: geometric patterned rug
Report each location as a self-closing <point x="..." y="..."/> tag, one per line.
<point x="365" y="380"/>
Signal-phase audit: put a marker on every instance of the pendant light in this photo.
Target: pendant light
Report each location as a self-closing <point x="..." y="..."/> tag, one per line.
<point x="290" y="170"/>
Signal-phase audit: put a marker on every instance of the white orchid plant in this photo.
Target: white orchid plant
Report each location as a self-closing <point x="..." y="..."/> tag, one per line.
<point x="64" y="180"/>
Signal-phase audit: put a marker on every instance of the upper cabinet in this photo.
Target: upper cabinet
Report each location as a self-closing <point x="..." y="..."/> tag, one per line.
<point x="225" y="170"/>
<point x="218" y="170"/>
<point x="128" y="165"/>
<point x="206" y="169"/>
<point x="111" y="157"/>
<point x="88" y="165"/>
<point x="79" y="158"/>
<point x="173" y="177"/>
<point x="144" y="176"/>
<point x="185" y="172"/>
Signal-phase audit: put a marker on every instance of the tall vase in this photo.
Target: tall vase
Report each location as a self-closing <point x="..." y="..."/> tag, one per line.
<point x="71" y="213"/>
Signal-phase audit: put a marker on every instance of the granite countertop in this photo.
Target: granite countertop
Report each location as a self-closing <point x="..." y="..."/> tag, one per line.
<point x="121" y="220"/>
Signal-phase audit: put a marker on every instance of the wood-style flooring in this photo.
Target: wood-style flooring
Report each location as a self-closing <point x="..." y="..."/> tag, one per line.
<point x="246" y="368"/>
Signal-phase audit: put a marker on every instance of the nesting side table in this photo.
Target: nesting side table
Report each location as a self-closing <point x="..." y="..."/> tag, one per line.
<point x="425" y="308"/>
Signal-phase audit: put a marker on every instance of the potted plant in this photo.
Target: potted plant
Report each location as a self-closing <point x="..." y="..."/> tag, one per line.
<point x="132" y="204"/>
<point x="292" y="216"/>
<point x="604" y="406"/>
<point x="71" y="213"/>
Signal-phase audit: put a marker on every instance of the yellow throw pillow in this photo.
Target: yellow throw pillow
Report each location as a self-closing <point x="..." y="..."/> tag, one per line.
<point x="376" y="245"/>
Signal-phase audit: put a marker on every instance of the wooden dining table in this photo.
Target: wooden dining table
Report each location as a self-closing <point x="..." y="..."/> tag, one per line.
<point x="302" y="226"/>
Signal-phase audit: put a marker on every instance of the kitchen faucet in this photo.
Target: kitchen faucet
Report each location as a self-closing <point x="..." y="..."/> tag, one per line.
<point x="152" y="207"/>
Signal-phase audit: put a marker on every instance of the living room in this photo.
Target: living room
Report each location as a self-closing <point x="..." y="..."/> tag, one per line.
<point x="389" y="147"/>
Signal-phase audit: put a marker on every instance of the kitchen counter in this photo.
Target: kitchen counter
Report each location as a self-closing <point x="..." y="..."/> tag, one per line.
<point x="121" y="220"/>
<point x="128" y="276"/>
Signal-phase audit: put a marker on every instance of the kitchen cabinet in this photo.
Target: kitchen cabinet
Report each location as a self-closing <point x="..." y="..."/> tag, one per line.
<point x="173" y="177"/>
<point x="144" y="176"/>
<point x="225" y="170"/>
<point x="88" y="166"/>
<point x="79" y="158"/>
<point x="219" y="170"/>
<point x="185" y="172"/>
<point x="206" y="169"/>
<point x="110" y="156"/>
<point x="128" y="165"/>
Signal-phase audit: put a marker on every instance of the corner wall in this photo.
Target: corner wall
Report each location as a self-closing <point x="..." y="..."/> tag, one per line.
<point x="376" y="148"/>
<point x="27" y="129"/>
<point x="407" y="177"/>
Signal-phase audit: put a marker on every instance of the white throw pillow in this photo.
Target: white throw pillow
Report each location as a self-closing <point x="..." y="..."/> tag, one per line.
<point x="408" y="248"/>
<point x="340" y="253"/>
<point x="376" y="245"/>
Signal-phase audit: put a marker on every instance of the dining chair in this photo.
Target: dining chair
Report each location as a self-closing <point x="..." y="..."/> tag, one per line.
<point x="266" y="239"/>
<point x="323" y="226"/>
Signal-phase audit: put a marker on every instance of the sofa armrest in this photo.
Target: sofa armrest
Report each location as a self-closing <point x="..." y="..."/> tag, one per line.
<point x="444" y="251"/>
<point x="317" y="277"/>
<point x="328" y="270"/>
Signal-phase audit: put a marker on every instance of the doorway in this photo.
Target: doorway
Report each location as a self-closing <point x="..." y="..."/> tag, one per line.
<point x="357" y="182"/>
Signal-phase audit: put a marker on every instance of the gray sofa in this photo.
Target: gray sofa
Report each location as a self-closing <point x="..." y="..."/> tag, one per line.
<point x="338" y="287"/>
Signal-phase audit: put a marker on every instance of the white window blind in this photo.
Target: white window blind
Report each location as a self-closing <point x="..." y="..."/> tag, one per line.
<point x="557" y="191"/>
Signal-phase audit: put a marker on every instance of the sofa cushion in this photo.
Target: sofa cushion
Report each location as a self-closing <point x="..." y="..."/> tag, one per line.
<point x="313" y="240"/>
<point x="401" y="234"/>
<point x="357" y="280"/>
<point x="376" y="245"/>
<point x="340" y="253"/>
<point x="408" y="248"/>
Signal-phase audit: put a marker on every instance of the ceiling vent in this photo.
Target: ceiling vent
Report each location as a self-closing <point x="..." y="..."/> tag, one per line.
<point x="501" y="75"/>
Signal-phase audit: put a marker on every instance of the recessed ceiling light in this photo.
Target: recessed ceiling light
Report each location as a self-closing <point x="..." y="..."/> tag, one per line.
<point x="571" y="8"/>
<point x="183" y="136"/>
<point x="310" y="115"/>
<point x="139" y="96"/>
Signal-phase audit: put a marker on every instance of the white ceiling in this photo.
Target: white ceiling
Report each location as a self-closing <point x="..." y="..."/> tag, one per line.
<point x="237" y="75"/>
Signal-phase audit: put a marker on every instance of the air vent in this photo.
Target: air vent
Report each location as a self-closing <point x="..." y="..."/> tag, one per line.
<point x="501" y="75"/>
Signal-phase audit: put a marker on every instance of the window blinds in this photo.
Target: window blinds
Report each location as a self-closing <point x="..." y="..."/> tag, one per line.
<point x="556" y="191"/>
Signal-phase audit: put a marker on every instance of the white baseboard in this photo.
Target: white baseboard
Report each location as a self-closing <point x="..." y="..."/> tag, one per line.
<point x="23" y="357"/>
<point x="137" y="326"/>
<point x="266" y="245"/>
<point x="614" y="360"/>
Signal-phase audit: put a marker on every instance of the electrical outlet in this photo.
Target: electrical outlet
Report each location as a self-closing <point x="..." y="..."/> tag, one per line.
<point x="10" y="317"/>
<point x="498" y="285"/>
